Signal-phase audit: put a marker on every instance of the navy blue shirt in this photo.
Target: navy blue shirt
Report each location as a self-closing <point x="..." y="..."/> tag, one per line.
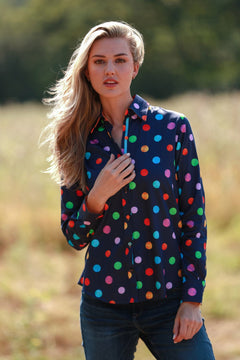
<point x="151" y="237"/>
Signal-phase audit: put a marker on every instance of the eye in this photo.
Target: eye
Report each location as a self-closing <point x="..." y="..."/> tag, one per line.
<point x="99" y="61"/>
<point x="120" y="60"/>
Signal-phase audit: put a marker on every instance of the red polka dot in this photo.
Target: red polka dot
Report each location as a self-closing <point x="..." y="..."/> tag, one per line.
<point x="149" y="271"/>
<point x="124" y="128"/>
<point x="126" y="251"/>
<point x="98" y="161"/>
<point x="79" y="193"/>
<point x="61" y="191"/>
<point x="205" y="246"/>
<point x="132" y="300"/>
<point x="190" y="200"/>
<point x="169" y="147"/>
<point x="188" y="242"/>
<point x="112" y="302"/>
<point x="185" y="151"/>
<point x="64" y="217"/>
<point x="106" y="207"/>
<point x="165" y="196"/>
<point x="87" y="282"/>
<point x="147" y="222"/>
<point x="146" y="127"/>
<point x="164" y="246"/>
<point x="71" y="223"/>
<point x="126" y="112"/>
<point x="144" y="172"/>
<point x="123" y="202"/>
<point x="108" y="253"/>
<point x="81" y="280"/>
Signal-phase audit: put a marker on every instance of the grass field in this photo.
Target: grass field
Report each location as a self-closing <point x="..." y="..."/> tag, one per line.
<point x="39" y="298"/>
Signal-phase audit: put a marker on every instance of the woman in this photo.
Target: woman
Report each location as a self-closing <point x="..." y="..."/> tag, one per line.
<point x="132" y="192"/>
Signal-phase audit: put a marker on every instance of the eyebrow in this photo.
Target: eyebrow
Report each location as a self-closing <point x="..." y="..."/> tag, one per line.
<point x="103" y="56"/>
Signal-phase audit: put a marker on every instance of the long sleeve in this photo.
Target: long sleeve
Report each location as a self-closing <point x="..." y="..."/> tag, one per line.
<point x="192" y="211"/>
<point x="77" y="223"/>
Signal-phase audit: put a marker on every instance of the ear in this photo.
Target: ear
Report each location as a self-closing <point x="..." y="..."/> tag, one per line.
<point x="135" y="70"/>
<point x="86" y="73"/>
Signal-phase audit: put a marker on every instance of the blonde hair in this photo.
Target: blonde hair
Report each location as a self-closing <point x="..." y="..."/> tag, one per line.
<point x="75" y="105"/>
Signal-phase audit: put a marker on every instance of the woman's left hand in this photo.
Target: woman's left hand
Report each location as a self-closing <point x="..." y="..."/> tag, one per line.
<point x="188" y="321"/>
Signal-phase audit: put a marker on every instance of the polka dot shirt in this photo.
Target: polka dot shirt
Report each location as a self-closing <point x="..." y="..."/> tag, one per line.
<point x="151" y="237"/>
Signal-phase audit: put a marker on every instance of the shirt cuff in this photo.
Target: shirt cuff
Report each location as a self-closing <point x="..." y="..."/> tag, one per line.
<point x="193" y="291"/>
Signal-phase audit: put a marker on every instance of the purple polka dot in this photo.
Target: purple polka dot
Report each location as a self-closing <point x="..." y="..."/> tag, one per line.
<point x="167" y="173"/>
<point x="121" y="290"/>
<point x="191" y="137"/>
<point x="108" y="280"/>
<point x="191" y="268"/>
<point x="138" y="259"/>
<point x="174" y="235"/>
<point x="166" y="223"/>
<point x="107" y="229"/>
<point x="107" y="148"/>
<point x="188" y="177"/>
<point x="134" y="210"/>
<point x="192" y="292"/>
<point x="198" y="235"/>
<point x="169" y="285"/>
<point x="198" y="186"/>
<point x="94" y="141"/>
<point x="136" y="105"/>
<point x="117" y="240"/>
<point x="171" y="126"/>
<point x="134" y="116"/>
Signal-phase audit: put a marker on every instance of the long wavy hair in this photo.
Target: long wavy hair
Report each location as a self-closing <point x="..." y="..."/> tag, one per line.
<point x="75" y="105"/>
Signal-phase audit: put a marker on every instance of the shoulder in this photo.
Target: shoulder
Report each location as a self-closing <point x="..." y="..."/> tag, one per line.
<point x="172" y="119"/>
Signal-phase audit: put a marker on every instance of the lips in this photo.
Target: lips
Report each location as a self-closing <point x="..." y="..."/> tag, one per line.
<point x="110" y="82"/>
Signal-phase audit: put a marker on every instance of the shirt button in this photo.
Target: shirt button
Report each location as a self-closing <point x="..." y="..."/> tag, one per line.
<point x="130" y="244"/>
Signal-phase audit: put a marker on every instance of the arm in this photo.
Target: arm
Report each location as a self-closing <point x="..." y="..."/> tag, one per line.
<point x="82" y="214"/>
<point x="188" y="320"/>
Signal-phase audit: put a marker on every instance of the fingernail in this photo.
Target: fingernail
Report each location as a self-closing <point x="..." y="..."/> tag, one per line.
<point x="128" y="154"/>
<point x="174" y="336"/>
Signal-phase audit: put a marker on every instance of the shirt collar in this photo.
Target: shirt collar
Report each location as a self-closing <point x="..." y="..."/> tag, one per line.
<point x="138" y="107"/>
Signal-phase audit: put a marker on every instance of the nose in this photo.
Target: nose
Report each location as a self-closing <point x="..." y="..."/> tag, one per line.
<point x="109" y="70"/>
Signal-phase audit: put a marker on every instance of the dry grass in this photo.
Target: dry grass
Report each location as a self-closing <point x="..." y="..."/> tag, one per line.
<point x="39" y="297"/>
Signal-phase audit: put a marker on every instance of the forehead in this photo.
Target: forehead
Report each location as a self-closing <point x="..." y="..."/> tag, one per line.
<point x="110" y="46"/>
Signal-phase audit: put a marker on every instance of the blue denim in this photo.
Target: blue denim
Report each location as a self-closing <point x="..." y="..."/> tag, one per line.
<point x="111" y="332"/>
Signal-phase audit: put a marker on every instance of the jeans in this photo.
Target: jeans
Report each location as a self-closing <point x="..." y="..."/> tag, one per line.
<point x="111" y="332"/>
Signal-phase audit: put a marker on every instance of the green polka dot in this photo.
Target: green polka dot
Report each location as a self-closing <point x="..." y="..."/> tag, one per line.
<point x="172" y="260"/>
<point x="198" y="254"/>
<point x="194" y="162"/>
<point x="200" y="211"/>
<point x="91" y="231"/>
<point x="69" y="205"/>
<point x="101" y="128"/>
<point x="136" y="235"/>
<point x="132" y="139"/>
<point x="172" y="211"/>
<point x="132" y="185"/>
<point x="116" y="215"/>
<point x="139" y="285"/>
<point x="117" y="265"/>
<point x="203" y="283"/>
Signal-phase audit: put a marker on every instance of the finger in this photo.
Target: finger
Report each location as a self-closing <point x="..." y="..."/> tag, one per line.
<point x="130" y="178"/>
<point x="181" y="333"/>
<point x="120" y="159"/>
<point x="111" y="159"/>
<point x="127" y="171"/>
<point x="176" y="328"/>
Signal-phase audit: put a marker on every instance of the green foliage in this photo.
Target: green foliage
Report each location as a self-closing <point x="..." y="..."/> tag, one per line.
<point x="189" y="44"/>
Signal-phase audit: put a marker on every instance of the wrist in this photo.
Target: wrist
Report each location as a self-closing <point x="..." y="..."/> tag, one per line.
<point x="94" y="204"/>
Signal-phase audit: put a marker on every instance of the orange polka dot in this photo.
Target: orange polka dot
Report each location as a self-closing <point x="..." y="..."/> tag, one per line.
<point x="125" y="225"/>
<point x="144" y="117"/>
<point x="148" y="245"/>
<point x="149" y="295"/>
<point x="129" y="274"/>
<point x="144" y="148"/>
<point x="145" y="195"/>
<point x="180" y="273"/>
<point x="180" y="224"/>
<point x="128" y="217"/>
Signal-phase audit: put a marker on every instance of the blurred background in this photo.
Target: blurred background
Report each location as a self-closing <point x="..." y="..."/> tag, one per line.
<point x="192" y="66"/>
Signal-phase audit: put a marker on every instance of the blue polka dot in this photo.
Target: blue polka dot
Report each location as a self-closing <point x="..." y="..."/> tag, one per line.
<point x="76" y="237"/>
<point x="87" y="155"/>
<point x="159" y="117"/>
<point x="156" y="234"/>
<point x="96" y="268"/>
<point x="156" y="160"/>
<point x="156" y="184"/>
<point x="70" y="243"/>
<point x="89" y="174"/>
<point x="98" y="293"/>
<point x="157" y="260"/>
<point x="157" y="138"/>
<point x="179" y="191"/>
<point x="95" y="243"/>
<point x="156" y="209"/>
<point x="178" y="147"/>
<point x="158" y="285"/>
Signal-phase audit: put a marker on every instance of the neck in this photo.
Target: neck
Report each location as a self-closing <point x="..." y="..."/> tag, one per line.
<point x="114" y="109"/>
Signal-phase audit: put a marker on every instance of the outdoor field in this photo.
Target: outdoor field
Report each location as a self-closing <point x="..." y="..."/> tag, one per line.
<point x="39" y="295"/>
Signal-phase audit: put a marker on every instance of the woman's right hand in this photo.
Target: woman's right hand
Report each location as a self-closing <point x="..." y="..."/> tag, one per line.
<point x="115" y="175"/>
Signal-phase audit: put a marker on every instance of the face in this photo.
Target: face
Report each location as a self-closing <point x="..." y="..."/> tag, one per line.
<point x="111" y="68"/>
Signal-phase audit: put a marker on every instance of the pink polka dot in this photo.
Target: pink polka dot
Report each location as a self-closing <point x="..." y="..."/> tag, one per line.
<point x="169" y="285"/>
<point x="198" y="235"/>
<point x="121" y="290"/>
<point x="138" y="259"/>
<point x="107" y="229"/>
<point x="136" y="105"/>
<point x="167" y="173"/>
<point x="183" y="128"/>
<point x="166" y="222"/>
<point x="188" y="177"/>
<point x="192" y="291"/>
<point x="190" y="224"/>
<point x="108" y="280"/>
<point x="191" y="268"/>
<point x="134" y="210"/>
<point x="134" y="116"/>
<point x="87" y="223"/>
<point x="64" y="217"/>
<point x="117" y="240"/>
<point x="171" y="126"/>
